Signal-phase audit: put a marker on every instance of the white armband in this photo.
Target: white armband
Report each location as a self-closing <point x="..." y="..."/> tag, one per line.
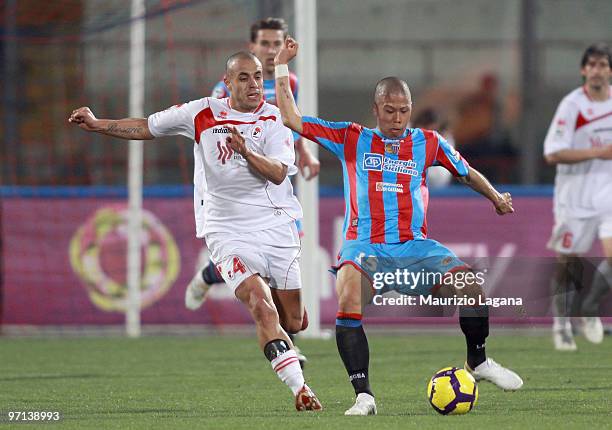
<point x="281" y="71"/>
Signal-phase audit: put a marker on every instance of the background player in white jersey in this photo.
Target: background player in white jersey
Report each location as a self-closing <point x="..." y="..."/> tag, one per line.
<point x="579" y="142"/>
<point x="244" y="202"/>
<point x="266" y="38"/>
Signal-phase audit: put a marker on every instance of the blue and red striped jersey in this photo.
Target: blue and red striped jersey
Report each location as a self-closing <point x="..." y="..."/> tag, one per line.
<point x="385" y="180"/>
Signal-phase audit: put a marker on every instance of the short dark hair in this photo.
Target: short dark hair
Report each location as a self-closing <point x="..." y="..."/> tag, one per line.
<point x="599" y="49"/>
<point x="391" y="85"/>
<point x="269" y="24"/>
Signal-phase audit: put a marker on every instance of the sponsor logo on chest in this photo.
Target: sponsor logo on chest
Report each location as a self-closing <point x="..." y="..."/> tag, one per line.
<point x="221" y="130"/>
<point x="379" y="162"/>
<point x="390" y="187"/>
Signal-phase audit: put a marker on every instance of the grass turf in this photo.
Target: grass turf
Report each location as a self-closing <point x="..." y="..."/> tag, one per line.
<point x="225" y="383"/>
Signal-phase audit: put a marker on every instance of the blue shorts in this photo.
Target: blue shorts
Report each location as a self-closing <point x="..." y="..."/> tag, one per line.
<point x="412" y="268"/>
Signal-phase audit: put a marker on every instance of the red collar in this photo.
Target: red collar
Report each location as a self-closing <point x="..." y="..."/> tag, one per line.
<point x="259" y="106"/>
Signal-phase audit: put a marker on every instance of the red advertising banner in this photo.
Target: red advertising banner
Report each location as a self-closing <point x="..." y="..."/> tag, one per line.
<point x="64" y="258"/>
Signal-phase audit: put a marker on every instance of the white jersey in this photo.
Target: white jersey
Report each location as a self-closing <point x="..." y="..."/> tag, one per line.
<point x="228" y="195"/>
<point x="582" y="189"/>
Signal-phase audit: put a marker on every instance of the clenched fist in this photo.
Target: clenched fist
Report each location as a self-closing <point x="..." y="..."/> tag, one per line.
<point x="503" y="205"/>
<point x="84" y="118"/>
<point x="237" y="142"/>
<point x="287" y="52"/>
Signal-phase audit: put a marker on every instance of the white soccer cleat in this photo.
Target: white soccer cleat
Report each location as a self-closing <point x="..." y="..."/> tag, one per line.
<point x="493" y="372"/>
<point x="196" y="292"/>
<point x="592" y="329"/>
<point x="364" y="405"/>
<point x="564" y="339"/>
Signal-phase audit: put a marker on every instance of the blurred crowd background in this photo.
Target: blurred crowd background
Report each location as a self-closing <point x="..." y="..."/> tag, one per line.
<point x="489" y="72"/>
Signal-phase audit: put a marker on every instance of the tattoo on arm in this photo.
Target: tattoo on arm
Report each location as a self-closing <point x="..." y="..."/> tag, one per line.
<point x="123" y="131"/>
<point x="128" y="128"/>
<point x="285" y="93"/>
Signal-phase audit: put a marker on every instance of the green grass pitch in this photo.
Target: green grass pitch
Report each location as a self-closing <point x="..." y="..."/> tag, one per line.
<point x="226" y="383"/>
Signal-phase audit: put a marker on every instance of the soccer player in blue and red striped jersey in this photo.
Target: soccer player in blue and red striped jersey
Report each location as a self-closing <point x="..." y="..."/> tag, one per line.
<point x="385" y="228"/>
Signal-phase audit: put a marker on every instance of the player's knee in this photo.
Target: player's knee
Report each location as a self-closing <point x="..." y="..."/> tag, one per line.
<point x="349" y="297"/>
<point x="352" y="289"/>
<point x="293" y="325"/>
<point x="349" y="301"/>
<point x="260" y="306"/>
<point x="467" y="284"/>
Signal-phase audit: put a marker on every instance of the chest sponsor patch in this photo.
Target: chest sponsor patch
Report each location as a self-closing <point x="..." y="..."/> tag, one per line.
<point x="390" y="187"/>
<point x="221" y="130"/>
<point x="378" y="162"/>
<point x="372" y="161"/>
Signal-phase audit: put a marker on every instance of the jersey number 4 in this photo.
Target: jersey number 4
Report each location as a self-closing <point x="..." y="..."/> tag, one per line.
<point x="238" y="266"/>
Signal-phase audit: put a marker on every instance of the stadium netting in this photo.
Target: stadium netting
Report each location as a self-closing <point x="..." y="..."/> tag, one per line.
<point x="63" y="251"/>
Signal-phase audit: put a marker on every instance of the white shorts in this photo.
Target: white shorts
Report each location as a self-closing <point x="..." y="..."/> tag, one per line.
<point x="576" y="235"/>
<point x="273" y="254"/>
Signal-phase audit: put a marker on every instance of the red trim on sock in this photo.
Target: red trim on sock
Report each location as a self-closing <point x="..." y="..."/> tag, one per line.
<point x="288" y="358"/>
<point x="345" y="315"/>
<point x="294" y="360"/>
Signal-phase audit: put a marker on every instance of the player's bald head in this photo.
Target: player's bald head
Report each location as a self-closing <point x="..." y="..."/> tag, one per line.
<point x="235" y="60"/>
<point x="391" y="86"/>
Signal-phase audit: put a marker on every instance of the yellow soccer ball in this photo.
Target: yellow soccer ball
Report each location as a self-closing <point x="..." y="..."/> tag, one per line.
<point x="452" y="391"/>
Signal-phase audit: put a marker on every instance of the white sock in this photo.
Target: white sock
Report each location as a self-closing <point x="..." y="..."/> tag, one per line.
<point x="287" y="367"/>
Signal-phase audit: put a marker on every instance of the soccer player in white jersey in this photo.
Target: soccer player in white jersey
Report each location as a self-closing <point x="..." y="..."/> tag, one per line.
<point x="579" y="143"/>
<point x="266" y="38"/>
<point x="244" y="203"/>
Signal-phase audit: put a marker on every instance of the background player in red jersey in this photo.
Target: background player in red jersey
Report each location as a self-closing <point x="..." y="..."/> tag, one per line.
<point x="384" y="172"/>
<point x="579" y="143"/>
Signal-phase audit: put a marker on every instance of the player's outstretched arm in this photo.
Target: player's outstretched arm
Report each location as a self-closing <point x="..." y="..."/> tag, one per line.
<point x="273" y="170"/>
<point x="285" y="101"/>
<point x="128" y="128"/>
<point x="479" y="183"/>
<point x="572" y="156"/>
